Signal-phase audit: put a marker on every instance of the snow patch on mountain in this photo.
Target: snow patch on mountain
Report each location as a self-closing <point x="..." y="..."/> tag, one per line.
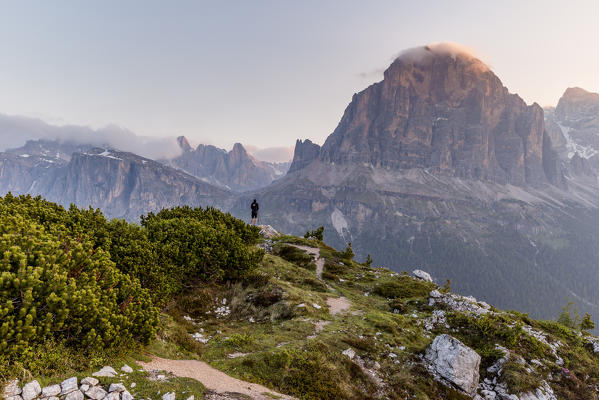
<point x="573" y="147"/>
<point x="339" y="222"/>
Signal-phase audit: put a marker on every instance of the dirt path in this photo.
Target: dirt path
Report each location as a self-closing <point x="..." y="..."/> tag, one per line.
<point x="212" y="378"/>
<point x="313" y="251"/>
<point x="338" y="305"/>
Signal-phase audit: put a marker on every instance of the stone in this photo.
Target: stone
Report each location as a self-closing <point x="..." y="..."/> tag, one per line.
<point x="90" y="381"/>
<point x="31" y="390"/>
<point x="106" y="371"/>
<point x="96" y="393"/>
<point x="53" y="398"/>
<point x="69" y="385"/>
<point x="75" y="395"/>
<point x="113" y="396"/>
<point x="544" y="392"/>
<point x="116" y="387"/>
<point x="126" y="369"/>
<point x="420" y="274"/>
<point x="17" y="397"/>
<point x="192" y="397"/>
<point x="169" y="396"/>
<point x="50" y="391"/>
<point x="12" y="389"/>
<point x="133" y="384"/>
<point x="84" y="388"/>
<point x="125" y="395"/>
<point x="268" y="232"/>
<point x="349" y="353"/>
<point x="305" y="152"/>
<point x="454" y="362"/>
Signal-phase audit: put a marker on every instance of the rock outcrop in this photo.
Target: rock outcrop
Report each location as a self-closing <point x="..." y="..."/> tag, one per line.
<point x="305" y="152"/>
<point x="452" y="361"/>
<point x="446" y="112"/>
<point x="235" y="170"/>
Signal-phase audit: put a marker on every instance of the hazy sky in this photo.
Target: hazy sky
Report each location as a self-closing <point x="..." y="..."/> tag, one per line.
<point x="265" y="72"/>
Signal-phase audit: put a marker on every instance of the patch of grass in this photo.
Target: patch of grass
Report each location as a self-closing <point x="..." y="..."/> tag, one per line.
<point x="518" y="379"/>
<point x="403" y="287"/>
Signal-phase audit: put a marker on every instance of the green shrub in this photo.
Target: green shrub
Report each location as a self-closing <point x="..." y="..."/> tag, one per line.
<point x="403" y="287"/>
<point x="317" y="234"/>
<point x="296" y="256"/>
<point x="57" y="282"/>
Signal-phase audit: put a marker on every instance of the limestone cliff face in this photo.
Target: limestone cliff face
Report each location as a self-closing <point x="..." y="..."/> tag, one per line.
<point x="235" y="170"/>
<point x="305" y="152"/>
<point x="444" y="112"/>
<point x="126" y="185"/>
<point x="121" y="184"/>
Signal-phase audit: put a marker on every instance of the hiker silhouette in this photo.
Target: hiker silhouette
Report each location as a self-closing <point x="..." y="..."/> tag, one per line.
<point x="255" y="207"/>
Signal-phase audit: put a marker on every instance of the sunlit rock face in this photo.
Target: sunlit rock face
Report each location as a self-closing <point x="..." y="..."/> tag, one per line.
<point x="448" y="112"/>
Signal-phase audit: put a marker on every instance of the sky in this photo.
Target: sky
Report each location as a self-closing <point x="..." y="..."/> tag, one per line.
<point x="265" y="73"/>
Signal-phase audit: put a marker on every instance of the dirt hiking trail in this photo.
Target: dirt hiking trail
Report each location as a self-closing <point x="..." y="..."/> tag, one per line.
<point x="212" y="379"/>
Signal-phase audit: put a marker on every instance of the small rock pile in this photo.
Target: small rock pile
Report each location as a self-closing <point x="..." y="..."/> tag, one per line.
<point x="71" y="389"/>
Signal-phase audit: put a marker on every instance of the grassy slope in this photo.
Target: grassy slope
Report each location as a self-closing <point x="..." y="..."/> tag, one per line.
<point x="276" y="342"/>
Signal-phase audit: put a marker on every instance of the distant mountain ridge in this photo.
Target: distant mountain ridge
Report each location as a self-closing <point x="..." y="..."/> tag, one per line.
<point x="235" y="170"/>
<point x="122" y="184"/>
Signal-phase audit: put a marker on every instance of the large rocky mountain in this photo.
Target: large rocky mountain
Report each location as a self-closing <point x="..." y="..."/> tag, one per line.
<point x="440" y="167"/>
<point x="122" y="184"/>
<point x="234" y="170"/>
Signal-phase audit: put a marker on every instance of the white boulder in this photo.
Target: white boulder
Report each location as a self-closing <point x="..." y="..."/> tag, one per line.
<point x="12" y="389"/>
<point x="454" y="362"/>
<point x="31" y="390"/>
<point x="50" y="391"/>
<point x="116" y="387"/>
<point x="420" y="274"/>
<point x="75" y="395"/>
<point x="544" y="392"/>
<point x="126" y="369"/>
<point x="96" y="393"/>
<point x="169" y="396"/>
<point x="89" y="381"/>
<point x="107" y="372"/>
<point x="69" y="385"/>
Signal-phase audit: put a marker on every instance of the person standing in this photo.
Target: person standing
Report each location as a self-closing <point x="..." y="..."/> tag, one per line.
<point x="255" y="207"/>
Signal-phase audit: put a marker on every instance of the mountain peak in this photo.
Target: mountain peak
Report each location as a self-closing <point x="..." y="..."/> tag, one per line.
<point x="184" y="144"/>
<point x="579" y="94"/>
<point x="441" y="108"/>
<point x="428" y="53"/>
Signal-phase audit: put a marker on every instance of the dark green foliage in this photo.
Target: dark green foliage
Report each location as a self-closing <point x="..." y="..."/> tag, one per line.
<point x="569" y="316"/>
<point x="368" y="261"/>
<point x="210" y="217"/>
<point x="193" y="246"/>
<point x="310" y="373"/>
<point x="587" y="324"/>
<point x="348" y="253"/>
<point x="334" y="267"/>
<point x="71" y="278"/>
<point x="403" y="287"/>
<point x="58" y="282"/>
<point x="295" y="255"/>
<point x="317" y="234"/>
